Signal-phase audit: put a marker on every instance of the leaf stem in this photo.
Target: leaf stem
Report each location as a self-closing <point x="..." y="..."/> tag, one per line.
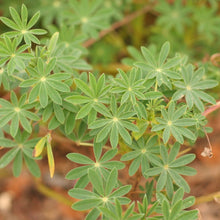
<point x="18" y="78"/>
<point x="91" y="145"/>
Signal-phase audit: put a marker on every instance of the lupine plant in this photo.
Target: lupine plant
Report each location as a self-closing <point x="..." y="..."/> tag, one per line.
<point x="135" y="121"/>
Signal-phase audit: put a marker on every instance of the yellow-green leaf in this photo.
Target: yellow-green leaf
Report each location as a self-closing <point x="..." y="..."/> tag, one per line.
<point x="39" y="147"/>
<point x="50" y="159"/>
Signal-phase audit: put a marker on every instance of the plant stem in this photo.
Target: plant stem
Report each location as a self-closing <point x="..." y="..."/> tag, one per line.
<point x="184" y="151"/>
<point x="207" y="198"/>
<point x="18" y="78"/>
<point x="211" y="109"/>
<point x="91" y="145"/>
<point x="119" y="24"/>
<point x="48" y="192"/>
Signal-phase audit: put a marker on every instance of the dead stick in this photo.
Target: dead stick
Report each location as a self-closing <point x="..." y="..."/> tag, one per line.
<point x="119" y="24"/>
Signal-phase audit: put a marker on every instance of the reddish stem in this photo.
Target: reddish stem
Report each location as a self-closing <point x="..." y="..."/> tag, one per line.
<point x="119" y="24"/>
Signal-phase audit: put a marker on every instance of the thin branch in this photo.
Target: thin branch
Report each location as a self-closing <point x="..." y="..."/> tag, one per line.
<point x="211" y="109"/>
<point x="48" y="192"/>
<point x="207" y="198"/>
<point x="119" y="24"/>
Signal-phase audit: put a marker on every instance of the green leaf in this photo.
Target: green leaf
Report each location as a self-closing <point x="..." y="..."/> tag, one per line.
<point x="14" y="125"/>
<point x="99" y="123"/>
<point x="15" y="16"/>
<point x="148" y="56"/>
<point x="103" y="133"/>
<point x="106" y="212"/>
<point x="24" y="14"/>
<point x="8" y="157"/>
<point x="192" y="215"/>
<point x="109" y="155"/>
<point x="54" y="123"/>
<point x="207" y="84"/>
<point x="121" y="191"/>
<point x="111" y="164"/>
<point x="86" y="204"/>
<point x="111" y="181"/>
<point x="185" y="122"/>
<point x="153" y="171"/>
<point x="17" y="164"/>
<point x="32" y="166"/>
<point x="53" y="40"/>
<point x="114" y="136"/>
<point x="188" y="171"/>
<point x="124" y="134"/>
<point x="6" y="118"/>
<point x="9" y="23"/>
<point x="102" y="109"/>
<point x="59" y="86"/>
<point x="54" y="95"/>
<point x="25" y="123"/>
<point x="77" y="172"/>
<point x="181" y="161"/>
<point x="59" y="113"/>
<point x="173" y="152"/>
<point x="93" y="214"/>
<point x="7" y="142"/>
<point x="81" y="193"/>
<point x="134" y="166"/>
<point x="84" y="111"/>
<point x="69" y="123"/>
<point x="161" y="181"/>
<point x="153" y="95"/>
<point x="130" y="155"/>
<point x="164" y="53"/>
<point x="83" y="87"/>
<point x="79" y="158"/>
<point x="179" y="180"/>
<point x="77" y="99"/>
<point x="176" y="209"/>
<point x="166" y="210"/>
<point x="33" y="20"/>
<point x="96" y="181"/>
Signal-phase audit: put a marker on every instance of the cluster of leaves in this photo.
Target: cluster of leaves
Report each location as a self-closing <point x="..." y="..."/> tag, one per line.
<point x="179" y="21"/>
<point x="159" y="101"/>
<point x="90" y="17"/>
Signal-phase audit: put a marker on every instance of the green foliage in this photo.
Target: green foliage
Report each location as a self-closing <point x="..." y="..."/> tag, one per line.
<point x="22" y="27"/>
<point x="161" y="69"/>
<point x="169" y="169"/>
<point x="136" y="119"/>
<point x="173" y="123"/>
<point x="191" y="87"/>
<point x="20" y="148"/>
<point x="174" y="17"/>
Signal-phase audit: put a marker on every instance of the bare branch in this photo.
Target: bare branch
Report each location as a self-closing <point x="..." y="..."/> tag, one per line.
<point x="119" y="24"/>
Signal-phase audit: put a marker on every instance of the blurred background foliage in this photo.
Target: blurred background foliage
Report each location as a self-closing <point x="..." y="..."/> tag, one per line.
<point x="192" y="27"/>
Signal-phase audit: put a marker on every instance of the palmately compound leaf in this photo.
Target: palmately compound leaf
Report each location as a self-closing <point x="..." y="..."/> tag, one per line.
<point x="22" y="29"/>
<point x="103" y="194"/>
<point x="162" y="69"/>
<point x="191" y="88"/>
<point x="17" y="112"/>
<point x="170" y="168"/>
<point x="21" y="149"/>
<point x="174" y="122"/>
